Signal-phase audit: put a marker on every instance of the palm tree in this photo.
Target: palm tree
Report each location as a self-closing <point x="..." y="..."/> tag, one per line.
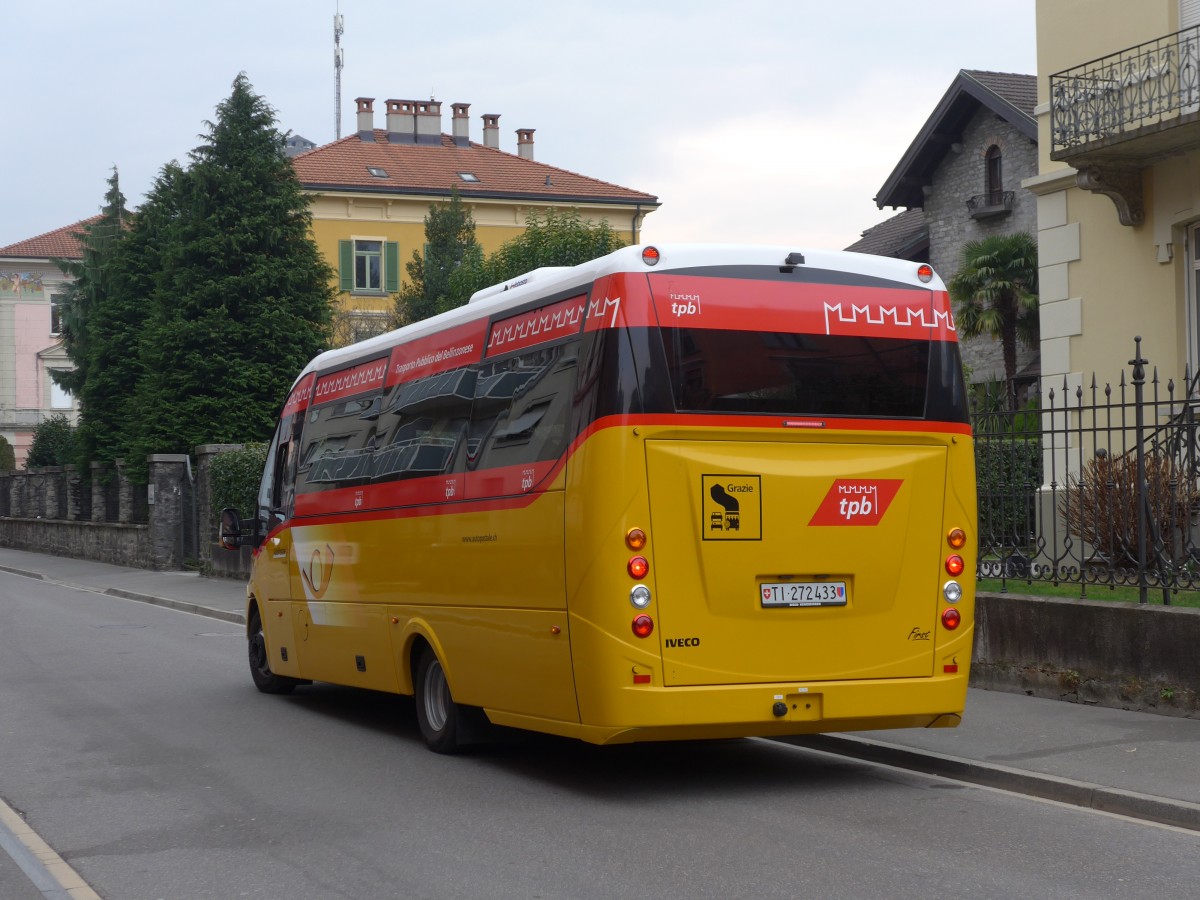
<point x="995" y="293"/>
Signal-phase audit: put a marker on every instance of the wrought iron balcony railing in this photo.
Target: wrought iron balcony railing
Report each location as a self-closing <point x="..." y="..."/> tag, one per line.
<point x="1155" y="85"/>
<point x="993" y="203"/>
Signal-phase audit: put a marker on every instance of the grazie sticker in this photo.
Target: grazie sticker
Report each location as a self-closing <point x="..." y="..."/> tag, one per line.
<point x="732" y="507"/>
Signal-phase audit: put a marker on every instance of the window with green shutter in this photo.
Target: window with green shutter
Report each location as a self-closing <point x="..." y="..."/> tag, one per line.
<point x="368" y="266"/>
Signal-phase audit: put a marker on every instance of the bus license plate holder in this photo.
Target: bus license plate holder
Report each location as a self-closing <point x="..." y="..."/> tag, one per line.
<point x="792" y="594"/>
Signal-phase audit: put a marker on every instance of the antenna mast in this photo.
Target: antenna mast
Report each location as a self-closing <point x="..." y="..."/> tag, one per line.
<point x="338" y="28"/>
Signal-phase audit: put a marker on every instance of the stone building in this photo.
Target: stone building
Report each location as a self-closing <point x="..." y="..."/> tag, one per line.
<point x="960" y="180"/>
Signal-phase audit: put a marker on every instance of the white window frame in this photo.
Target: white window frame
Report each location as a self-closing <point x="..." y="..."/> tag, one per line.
<point x="356" y="254"/>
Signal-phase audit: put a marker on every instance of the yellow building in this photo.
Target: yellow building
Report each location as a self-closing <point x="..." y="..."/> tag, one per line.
<point x="371" y="192"/>
<point x="1118" y="186"/>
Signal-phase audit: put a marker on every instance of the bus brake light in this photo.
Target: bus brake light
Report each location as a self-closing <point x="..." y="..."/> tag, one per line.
<point x="650" y="256"/>
<point x="955" y="564"/>
<point x="925" y="273"/>
<point x="950" y="618"/>
<point x="643" y="625"/>
<point x="638" y="567"/>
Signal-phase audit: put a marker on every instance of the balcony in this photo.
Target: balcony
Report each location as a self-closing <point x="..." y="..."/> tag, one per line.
<point x="1131" y="108"/>
<point x="1114" y="116"/>
<point x="991" y="205"/>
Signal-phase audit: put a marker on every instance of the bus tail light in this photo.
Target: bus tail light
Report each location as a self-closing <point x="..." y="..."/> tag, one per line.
<point x="955" y="564"/>
<point x="925" y="273"/>
<point x="650" y="255"/>
<point x="638" y="567"/>
<point x="643" y="626"/>
<point x="950" y="618"/>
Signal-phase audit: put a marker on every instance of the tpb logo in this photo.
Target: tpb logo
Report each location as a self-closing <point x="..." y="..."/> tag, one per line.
<point x="685" y="304"/>
<point x="857" y="501"/>
<point x="863" y="500"/>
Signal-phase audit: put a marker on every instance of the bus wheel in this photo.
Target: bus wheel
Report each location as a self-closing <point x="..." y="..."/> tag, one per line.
<point x="437" y="714"/>
<point x="260" y="668"/>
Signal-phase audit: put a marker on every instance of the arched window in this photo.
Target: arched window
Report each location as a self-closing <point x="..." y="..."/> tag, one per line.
<point x="994" y="184"/>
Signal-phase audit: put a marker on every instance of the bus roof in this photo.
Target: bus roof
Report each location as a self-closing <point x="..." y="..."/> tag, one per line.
<point x="554" y="279"/>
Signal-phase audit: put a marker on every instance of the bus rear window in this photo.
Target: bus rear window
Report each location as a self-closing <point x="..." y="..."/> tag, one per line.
<point x="780" y="373"/>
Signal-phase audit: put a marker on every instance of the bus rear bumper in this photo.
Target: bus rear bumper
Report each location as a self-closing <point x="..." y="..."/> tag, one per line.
<point x="648" y="713"/>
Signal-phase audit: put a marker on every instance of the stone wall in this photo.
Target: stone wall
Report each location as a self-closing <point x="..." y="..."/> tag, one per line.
<point x="109" y="542"/>
<point x="1125" y="655"/>
<point x="111" y="519"/>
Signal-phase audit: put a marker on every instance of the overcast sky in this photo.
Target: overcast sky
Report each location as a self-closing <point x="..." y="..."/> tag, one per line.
<point x="752" y="121"/>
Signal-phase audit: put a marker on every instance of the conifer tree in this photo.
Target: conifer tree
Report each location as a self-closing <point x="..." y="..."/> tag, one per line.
<point x="241" y="299"/>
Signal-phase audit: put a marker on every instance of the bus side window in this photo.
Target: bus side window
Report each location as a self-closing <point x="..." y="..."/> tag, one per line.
<point x="522" y="407"/>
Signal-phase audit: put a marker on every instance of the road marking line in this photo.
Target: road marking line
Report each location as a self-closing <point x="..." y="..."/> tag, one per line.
<point x="44" y="867"/>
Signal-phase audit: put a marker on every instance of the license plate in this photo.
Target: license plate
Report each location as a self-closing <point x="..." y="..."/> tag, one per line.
<point x="803" y="593"/>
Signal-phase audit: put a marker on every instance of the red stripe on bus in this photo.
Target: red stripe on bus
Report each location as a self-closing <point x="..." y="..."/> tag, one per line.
<point x="354" y="380"/>
<point x="299" y="398"/>
<point x="538" y="326"/>
<point x="689" y="301"/>
<point x="440" y="352"/>
<point x="518" y="483"/>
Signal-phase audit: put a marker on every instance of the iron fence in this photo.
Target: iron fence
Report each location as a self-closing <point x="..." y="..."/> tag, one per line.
<point x="1092" y="486"/>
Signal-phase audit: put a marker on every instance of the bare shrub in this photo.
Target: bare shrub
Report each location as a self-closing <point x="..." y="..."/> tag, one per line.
<point x="1101" y="505"/>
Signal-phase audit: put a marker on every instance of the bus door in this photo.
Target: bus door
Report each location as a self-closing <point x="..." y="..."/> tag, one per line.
<point x="276" y="561"/>
<point x="339" y="616"/>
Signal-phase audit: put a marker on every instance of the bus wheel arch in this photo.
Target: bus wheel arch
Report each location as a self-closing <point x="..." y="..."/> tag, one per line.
<point x="260" y="666"/>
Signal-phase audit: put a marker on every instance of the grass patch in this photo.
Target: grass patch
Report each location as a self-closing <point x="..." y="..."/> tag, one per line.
<point x="1071" y="591"/>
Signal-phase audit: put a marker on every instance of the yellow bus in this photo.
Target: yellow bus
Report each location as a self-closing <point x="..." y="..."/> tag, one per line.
<point x="685" y="491"/>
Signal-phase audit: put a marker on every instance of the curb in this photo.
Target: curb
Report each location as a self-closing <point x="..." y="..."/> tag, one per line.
<point x="198" y="609"/>
<point x="1148" y="807"/>
<point x="181" y="605"/>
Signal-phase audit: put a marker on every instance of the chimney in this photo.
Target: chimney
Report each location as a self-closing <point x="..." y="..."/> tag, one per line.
<point x="366" y="118"/>
<point x="491" y="130"/>
<point x="401" y="121"/>
<point x="461" y="124"/>
<point x="525" y="143"/>
<point x="429" y="122"/>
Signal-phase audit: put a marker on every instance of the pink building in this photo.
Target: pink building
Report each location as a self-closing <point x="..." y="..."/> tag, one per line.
<point x="30" y="287"/>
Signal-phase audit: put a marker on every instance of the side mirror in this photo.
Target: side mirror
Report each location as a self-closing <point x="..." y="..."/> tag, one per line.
<point x="230" y="531"/>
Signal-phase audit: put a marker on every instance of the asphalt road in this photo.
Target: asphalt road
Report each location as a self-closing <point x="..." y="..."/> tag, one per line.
<point x="134" y="743"/>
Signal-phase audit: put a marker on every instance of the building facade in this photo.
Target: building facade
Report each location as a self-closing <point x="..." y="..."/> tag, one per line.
<point x="1118" y="186"/>
<point x="372" y="189"/>
<point x="30" y="285"/>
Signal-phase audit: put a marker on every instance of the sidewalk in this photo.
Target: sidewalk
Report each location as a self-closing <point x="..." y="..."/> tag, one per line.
<point x="1132" y="763"/>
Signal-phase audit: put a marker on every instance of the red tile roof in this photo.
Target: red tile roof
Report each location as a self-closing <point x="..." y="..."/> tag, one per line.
<point x="433" y="169"/>
<point x="60" y="243"/>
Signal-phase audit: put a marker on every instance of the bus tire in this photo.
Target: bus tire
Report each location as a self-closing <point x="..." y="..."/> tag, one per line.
<point x="260" y="667"/>
<point x="438" y="716"/>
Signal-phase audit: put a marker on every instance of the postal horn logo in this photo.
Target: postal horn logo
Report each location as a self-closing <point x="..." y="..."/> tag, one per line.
<point x="857" y="501"/>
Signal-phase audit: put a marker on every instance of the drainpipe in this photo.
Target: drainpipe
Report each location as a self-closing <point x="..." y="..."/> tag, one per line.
<point x="637" y="212"/>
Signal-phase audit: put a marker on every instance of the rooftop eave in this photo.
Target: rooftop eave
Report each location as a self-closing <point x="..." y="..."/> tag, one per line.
<point x="589" y="199"/>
